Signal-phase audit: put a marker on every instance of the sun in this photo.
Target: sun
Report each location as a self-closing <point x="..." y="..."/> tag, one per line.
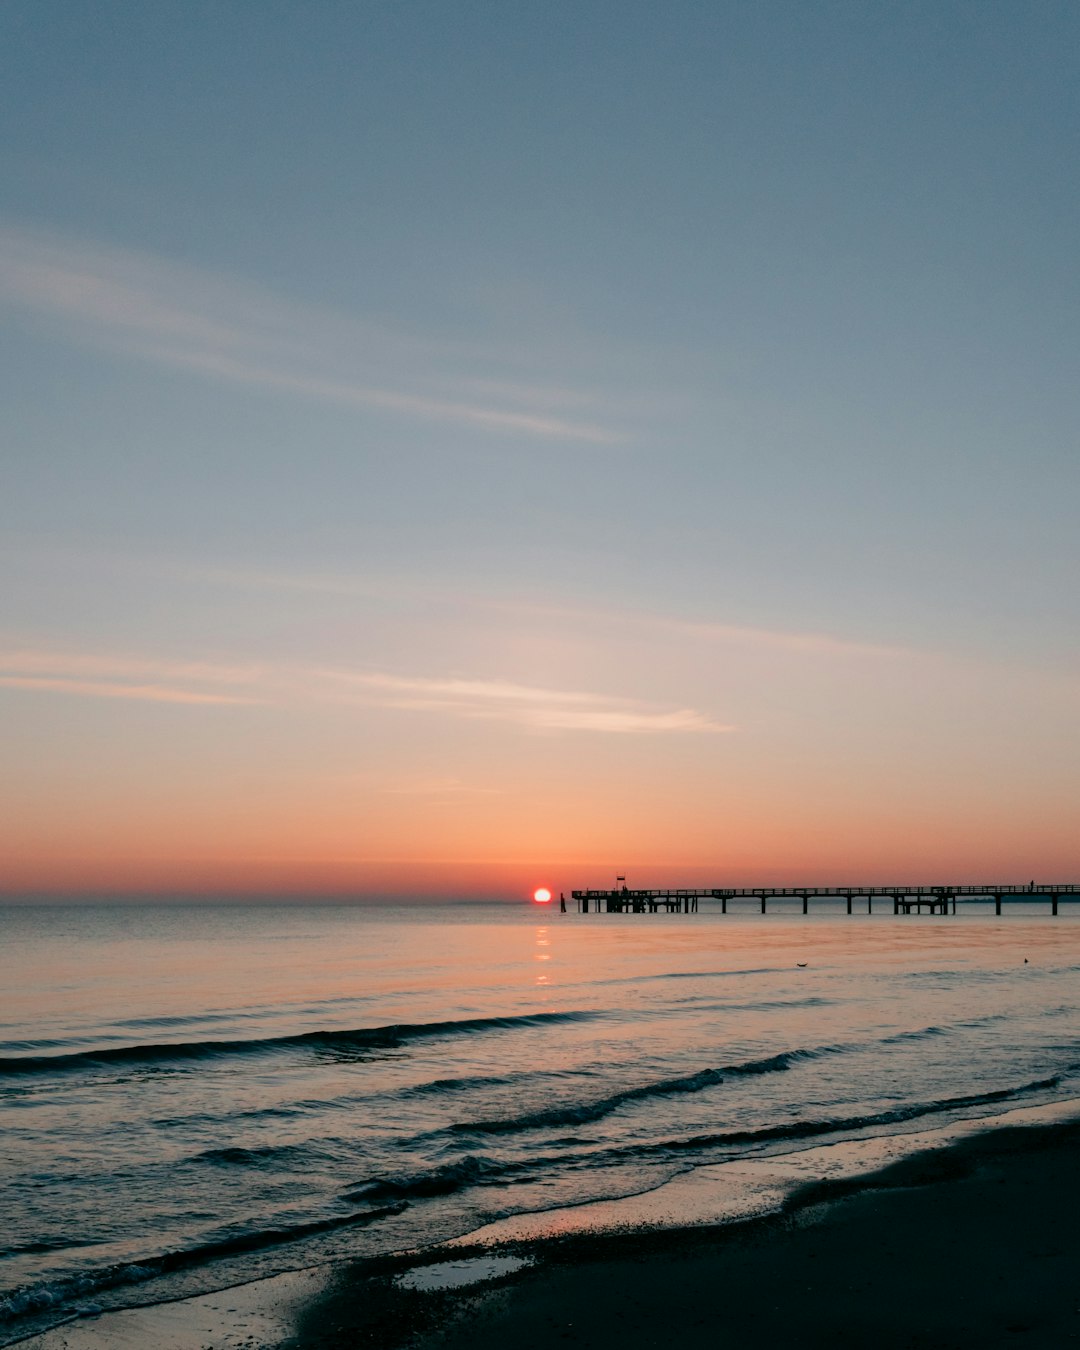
<point x="542" y="896"/>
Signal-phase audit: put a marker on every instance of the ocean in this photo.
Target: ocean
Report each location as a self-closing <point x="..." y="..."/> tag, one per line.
<point x="192" y="1096"/>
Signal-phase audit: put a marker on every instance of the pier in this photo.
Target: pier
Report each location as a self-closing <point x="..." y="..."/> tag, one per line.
<point x="905" y="899"/>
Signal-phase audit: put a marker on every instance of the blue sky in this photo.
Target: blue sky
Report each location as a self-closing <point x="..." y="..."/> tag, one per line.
<point x="496" y="357"/>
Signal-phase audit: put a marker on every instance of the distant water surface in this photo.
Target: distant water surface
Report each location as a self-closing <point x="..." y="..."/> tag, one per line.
<point x="195" y="1095"/>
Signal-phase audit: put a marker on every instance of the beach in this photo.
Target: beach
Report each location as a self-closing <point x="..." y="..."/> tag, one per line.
<point x="976" y="1245"/>
<point x="972" y="1245"/>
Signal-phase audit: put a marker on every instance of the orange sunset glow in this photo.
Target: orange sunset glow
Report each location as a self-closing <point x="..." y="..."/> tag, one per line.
<point x="349" y="559"/>
<point x="806" y="763"/>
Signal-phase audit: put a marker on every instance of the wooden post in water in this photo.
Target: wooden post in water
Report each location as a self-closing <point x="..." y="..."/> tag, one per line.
<point x="997" y="904"/>
<point x="805" y="903"/>
<point x="763" y="903"/>
<point x="1053" y="904"/>
<point x="849" y="902"/>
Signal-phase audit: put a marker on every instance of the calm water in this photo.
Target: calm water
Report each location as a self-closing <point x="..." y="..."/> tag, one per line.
<point x="191" y="1096"/>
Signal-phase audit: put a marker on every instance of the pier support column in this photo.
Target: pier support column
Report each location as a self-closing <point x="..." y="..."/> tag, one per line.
<point x="763" y="904"/>
<point x="896" y="904"/>
<point x="723" y="904"/>
<point x="1053" y="904"/>
<point x="997" y="904"/>
<point x="805" y="903"/>
<point x="869" y="904"/>
<point x="849" y="904"/>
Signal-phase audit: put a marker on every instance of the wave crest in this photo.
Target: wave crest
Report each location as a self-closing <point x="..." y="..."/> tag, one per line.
<point x="584" y="1113"/>
<point x="333" y="1042"/>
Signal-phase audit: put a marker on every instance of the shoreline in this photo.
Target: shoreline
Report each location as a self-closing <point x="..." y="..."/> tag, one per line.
<point x="833" y="1262"/>
<point x="970" y="1245"/>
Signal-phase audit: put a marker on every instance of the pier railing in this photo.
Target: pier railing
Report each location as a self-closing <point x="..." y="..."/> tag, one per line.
<point x="906" y="899"/>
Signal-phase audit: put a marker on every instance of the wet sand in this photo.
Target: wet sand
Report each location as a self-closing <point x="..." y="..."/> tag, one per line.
<point x="977" y="1245"/>
<point x="972" y="1245"/>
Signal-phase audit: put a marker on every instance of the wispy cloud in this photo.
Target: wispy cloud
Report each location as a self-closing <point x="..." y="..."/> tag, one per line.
<point x="363" y="396"/>
<point x="709" y="631"/>
<point x="225" y="330"/>
<point x="526" y="705"/>
<point x="152" y="693"/>
<point x="97" y="675"/>
<point x="594" y="618"/>
<point x="144" y="679"/>
<point x="788" y="639"/>
<point x="37" y="661"/>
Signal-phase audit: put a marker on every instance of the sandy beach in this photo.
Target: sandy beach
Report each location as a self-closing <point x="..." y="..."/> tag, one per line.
<point x="972" y="1245"/>
<point x="975" y="1245"/>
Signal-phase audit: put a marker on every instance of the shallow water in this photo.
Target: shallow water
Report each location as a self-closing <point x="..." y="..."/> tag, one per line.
<point x="195" y="1095"/>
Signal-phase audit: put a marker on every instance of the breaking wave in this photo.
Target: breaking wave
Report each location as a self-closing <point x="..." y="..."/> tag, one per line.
<point x="344" y="1042"/>
<point x="585" y="1112"/>
<point x="51" y="1294"/>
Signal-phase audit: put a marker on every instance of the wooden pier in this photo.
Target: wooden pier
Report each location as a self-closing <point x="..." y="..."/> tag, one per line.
<point x="905" y="899"/>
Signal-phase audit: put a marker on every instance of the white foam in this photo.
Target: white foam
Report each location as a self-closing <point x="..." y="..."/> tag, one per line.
<point x="748" y="1187"/>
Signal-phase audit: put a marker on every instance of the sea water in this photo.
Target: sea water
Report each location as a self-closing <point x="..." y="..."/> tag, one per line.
<point x="192" y="1096"/>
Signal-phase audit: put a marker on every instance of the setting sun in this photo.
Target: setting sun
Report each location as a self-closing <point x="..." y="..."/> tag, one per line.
<point x="542" y="896"/>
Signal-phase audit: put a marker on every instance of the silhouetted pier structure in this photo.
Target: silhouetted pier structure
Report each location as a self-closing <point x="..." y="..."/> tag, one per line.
<point x="905" y="899"/>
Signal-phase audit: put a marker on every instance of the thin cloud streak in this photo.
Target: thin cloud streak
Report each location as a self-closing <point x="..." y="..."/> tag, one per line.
<point x="706" y="630"/>
<point x="359" y="396"/>
<point x="527" y="705"/>
<point x="190" y="320"/>
<point x="28" y="661"/>
<point x="817" y="643"/>
<point x="460" y="690"/>
<point x="94" y="675"/>
<point x="152" y="693"/>
<point x="626" y="722"/>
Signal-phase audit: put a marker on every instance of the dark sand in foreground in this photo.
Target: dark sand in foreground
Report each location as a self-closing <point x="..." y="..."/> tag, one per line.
<point x="976" y="1245"/>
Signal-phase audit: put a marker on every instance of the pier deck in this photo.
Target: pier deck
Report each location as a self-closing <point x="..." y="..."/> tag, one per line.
<point x="905" y="899"/>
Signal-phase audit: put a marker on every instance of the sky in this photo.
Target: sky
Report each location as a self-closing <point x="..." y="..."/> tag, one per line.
<point x="454" y="447"/>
